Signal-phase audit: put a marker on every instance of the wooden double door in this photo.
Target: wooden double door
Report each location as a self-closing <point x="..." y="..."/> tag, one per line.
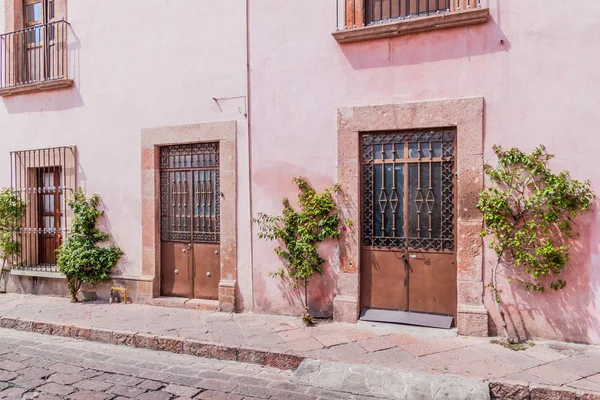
<point x="190" y="239"/>
<point x="408" y="258"/>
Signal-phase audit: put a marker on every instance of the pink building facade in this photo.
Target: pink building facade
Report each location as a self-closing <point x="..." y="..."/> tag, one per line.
<point x="188" y="128"/>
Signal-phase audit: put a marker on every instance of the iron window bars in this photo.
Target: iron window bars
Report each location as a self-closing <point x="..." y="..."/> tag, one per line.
<point x="352" y="14"/>
<point x="45" y="180"/>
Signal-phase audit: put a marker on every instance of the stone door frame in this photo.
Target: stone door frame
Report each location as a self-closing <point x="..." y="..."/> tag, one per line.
<point x="466" y="116"/>
<point x="151" y="140"/>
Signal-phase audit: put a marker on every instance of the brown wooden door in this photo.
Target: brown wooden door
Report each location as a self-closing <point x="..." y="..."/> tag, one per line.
<point x="408" y="259"/>
<point x="190" y="250"/>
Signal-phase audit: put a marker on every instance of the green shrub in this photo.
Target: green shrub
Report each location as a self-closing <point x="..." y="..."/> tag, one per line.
<point x="79" y="257"/>
<point x="12" y="211"/>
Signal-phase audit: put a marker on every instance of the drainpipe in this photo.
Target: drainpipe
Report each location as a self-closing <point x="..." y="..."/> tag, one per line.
<point x="249" y="129"/>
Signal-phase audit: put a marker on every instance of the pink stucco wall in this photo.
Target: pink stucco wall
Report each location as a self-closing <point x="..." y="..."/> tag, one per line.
<point x="540" y="86"/>
<point x="137" y="66"/>
<point x="162" y="64"/>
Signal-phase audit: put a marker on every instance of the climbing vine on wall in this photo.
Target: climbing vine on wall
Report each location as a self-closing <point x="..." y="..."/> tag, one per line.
<point x="300" y="232"/>
<point x="529" y="213"/>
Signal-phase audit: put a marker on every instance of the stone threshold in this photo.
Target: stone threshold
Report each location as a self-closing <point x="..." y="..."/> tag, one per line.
<point x="500" y="389"/>
<point x="184" y="302"/>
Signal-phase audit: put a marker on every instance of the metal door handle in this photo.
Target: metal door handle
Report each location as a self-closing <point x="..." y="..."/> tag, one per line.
<point x="208" y="274"/>
<point x="183" y="250"/>
<point x="176" y="271"/>
<point x="216" y="251"/>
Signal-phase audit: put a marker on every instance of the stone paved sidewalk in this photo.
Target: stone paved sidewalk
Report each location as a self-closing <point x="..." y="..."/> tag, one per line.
<point x="43" y="367"/>
<point x="416" y="349"/>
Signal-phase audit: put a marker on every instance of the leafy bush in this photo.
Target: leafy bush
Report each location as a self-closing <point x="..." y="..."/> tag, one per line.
<point x="529" y="213"/>
<point x="12" y="211"/>
<point x="300" y="233"/>
<point x="79" y="257"/>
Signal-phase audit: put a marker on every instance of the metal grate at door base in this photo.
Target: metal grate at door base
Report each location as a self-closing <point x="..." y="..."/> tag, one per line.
<point x="407" y="317"/>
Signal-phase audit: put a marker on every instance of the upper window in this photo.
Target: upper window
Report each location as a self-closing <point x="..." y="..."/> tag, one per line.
<point x="372" y="19"/>
<point x="34" y="56"/>
<point x="37" y="12"/>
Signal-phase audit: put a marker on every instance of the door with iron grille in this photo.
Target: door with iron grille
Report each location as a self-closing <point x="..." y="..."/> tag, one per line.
<point x="190" y="260"/>
<point x="408" y="259"/>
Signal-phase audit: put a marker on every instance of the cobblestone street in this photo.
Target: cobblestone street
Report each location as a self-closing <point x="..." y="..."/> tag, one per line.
<point x="34" y="366"/>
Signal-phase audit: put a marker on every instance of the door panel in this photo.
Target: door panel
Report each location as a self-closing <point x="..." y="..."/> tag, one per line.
<point x="207" y="270"/>
<point x="383" y="277"/>
<point x="175" y="269"/>
<point x="432" y="283"/>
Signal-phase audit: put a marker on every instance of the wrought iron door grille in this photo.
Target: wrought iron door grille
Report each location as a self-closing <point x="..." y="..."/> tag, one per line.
<point x="190" y="193"/>
<point x="44" y="179"/>
<point x="408" y="189"/>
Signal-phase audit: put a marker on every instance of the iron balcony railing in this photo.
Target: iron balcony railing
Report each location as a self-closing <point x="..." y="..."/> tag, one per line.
<point x="353" y="14"/>
<point x="34" y="55"/>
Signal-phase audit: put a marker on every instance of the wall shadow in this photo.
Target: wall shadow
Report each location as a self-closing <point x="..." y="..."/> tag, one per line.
<point x="56" y="100"/>
<point x="426" y="47"/>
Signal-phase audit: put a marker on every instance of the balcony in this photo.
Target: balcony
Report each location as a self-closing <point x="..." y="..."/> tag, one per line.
<point x="359" y="20"/>
<point x="34" y="59"/>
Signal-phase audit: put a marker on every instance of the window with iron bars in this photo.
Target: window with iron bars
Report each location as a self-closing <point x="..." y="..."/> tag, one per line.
<point x="360" y="13"/>
<point x="45" y="180"/>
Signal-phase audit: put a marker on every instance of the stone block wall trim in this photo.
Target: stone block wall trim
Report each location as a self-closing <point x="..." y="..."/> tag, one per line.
<point x="161" y="343"/>
<point x="224" y="132"/>
<point x="54" y="284"/>
<point x="466" y="116"/>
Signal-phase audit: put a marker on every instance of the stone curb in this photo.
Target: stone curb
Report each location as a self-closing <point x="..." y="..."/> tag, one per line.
<point x="161" y="343"/>
<point x="507" y="390"/>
